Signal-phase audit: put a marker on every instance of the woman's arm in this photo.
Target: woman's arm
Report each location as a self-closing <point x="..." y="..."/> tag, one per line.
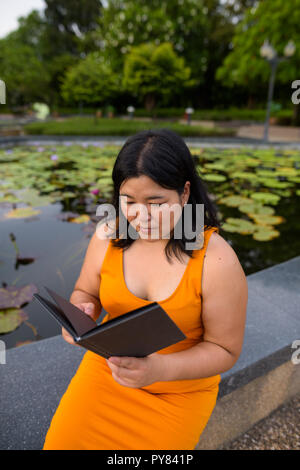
<point x="224" y="306"/>
<point x="87" y="286"/>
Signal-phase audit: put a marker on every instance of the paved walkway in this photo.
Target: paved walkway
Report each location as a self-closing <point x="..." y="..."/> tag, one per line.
<point x="276" y="133"/>
<point x="255" y="131"/>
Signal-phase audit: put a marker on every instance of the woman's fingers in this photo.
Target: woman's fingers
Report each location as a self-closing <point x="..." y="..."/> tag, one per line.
<point x="89" y="309"/>
<point x="67" y="337"/>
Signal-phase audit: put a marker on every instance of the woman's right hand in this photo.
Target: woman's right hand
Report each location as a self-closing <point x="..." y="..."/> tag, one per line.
<point x="89" y="309"/>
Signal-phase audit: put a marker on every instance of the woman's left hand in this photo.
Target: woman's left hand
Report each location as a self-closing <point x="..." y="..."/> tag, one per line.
<point x="137" y="372"/>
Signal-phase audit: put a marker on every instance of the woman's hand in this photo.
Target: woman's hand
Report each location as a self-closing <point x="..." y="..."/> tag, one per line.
<point x="89" y="309"/>
<point x="137" y="372"/>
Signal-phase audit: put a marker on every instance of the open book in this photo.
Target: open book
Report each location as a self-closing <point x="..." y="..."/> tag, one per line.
<point x="137" y="333"/>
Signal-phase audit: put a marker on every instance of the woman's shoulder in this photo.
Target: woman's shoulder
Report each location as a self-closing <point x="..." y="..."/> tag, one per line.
<point x="218" y="248"/>
<point x="221" y="261"/>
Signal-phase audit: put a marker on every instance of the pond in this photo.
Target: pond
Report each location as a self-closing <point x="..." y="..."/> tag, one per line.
<point x="48" y="200"/>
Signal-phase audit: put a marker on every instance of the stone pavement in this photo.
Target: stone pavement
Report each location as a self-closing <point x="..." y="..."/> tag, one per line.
<point x="254" y="131"/>
<point x="279" y="431"/>
<point x="276" y="133"/>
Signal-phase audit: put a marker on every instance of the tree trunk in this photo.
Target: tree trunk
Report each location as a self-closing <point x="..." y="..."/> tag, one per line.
<point x="296" y="115"/>
<point x="149" y="101"/>
<point x="251" y="102"/>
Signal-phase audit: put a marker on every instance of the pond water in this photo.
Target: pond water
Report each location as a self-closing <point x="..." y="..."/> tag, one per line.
<point x="62" y="185"/>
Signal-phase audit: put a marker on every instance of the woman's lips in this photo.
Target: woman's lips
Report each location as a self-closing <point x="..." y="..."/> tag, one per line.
<point x="148" y="228"/>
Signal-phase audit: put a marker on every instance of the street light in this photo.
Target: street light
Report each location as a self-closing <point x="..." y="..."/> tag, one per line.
<point x="189" y="112"/>
<point x="2" y="92"/>
<point x="269" y="53"/>
<point x="130" y="111"/>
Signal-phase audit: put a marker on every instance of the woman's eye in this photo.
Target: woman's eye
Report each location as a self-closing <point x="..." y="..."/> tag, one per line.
<point x="152" y="204"/>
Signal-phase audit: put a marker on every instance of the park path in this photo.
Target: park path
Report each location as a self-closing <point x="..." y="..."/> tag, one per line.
<point x="255" y="131"/>
<point x="276" y="133"/>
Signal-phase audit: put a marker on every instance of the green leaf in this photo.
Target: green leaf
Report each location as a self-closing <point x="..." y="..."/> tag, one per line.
<point x="10" y="319"/>
<point x="21" y="213"/>
<point x="265" y="198"/>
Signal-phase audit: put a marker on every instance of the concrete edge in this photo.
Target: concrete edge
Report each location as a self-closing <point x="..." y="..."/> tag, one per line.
<point x="235" y="413"/>
<point x="218" y="141"/>
<point x="242" y="377"/>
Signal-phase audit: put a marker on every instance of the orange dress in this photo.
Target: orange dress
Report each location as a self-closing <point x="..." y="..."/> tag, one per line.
<point x="96" y="412"/>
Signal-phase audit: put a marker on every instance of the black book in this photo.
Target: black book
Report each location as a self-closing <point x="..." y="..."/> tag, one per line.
<point x="137" y="333"/>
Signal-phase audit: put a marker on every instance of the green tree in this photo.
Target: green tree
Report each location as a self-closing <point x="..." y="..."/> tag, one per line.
<point x="67" y="22"/>
<point x="51" y="42"/>
<point x="24" y="74"/>
<point x="275" y="20"/>
<point x="128" y="23"/>
<point x="154" y="73"/>
<point x="91" y="81"/>
<point x="199" y="30"/>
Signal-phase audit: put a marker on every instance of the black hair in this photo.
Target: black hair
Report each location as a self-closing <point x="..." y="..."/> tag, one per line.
<point x="163" y="156"/>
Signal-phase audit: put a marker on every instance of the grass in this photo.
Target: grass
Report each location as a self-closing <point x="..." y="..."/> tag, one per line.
<point x="116" y="126"/>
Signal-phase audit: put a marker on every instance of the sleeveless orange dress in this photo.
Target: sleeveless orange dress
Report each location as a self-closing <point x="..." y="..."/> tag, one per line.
<point x="96" y="412"/>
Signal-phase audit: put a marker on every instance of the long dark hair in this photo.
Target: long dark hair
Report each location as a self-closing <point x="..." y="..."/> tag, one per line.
<point x="163" y="156"/>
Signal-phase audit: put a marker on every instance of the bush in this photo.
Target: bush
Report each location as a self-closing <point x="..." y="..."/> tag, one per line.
<point x="115" y="127"/>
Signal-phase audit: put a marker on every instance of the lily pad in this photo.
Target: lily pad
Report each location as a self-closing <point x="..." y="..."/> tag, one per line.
<point x="286" y="171"/>
<point x="9" y="197"/>
<point x="242" y="226"/>
<point x="275" y="183"/>
<point x="214" y="177"/>
<point x="32" y="197"/>
<point x="13" y="296"/>
<point x="262" y="219"/>
<point x="251" y="209"/>
<point x="22" y="213"/>
<point x="265" y="234"/>
<point x="234" y="200"/>
<point x="216" y="166"/>
<point x="10" y="319"/>
<point x="266" y="198"/>
<point x="244" y="175"/>
<point x="82" y="219"/>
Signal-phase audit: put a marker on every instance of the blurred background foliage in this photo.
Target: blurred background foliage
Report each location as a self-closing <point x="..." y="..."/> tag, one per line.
<point x="158" y="54"/>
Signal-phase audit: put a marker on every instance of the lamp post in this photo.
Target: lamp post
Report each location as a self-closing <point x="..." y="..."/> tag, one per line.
<point x="189" y="112"/>
<point x="130" y="111"/>
<point x="270" y="54"/>
<point x="2" y="94"/>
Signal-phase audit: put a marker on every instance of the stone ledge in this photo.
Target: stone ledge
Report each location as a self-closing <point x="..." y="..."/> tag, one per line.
<point x="236" y="412"/>
<point x="36" y="375"/>
<point x="219" y="142"/>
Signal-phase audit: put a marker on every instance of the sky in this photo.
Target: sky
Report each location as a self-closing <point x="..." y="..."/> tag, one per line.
<point x="10" y="10"/>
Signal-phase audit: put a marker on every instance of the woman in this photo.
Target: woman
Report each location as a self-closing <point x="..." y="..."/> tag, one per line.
<point x="164" y="400"/>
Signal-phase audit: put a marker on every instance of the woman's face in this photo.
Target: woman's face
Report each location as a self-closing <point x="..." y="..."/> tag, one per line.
<point x="150" y="209"/>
